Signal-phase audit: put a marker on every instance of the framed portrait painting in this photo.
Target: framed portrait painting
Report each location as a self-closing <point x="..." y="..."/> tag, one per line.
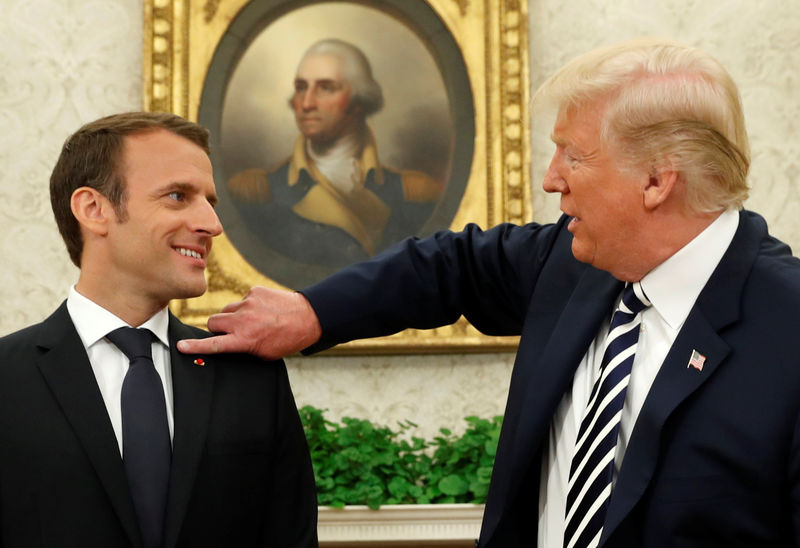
<point x="339" y="128"/>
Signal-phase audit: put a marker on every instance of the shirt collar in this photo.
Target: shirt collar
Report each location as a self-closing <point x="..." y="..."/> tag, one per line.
<point x="93" y="322"/>
<point x="674" y="285"/>
<point x="300" y="161"/>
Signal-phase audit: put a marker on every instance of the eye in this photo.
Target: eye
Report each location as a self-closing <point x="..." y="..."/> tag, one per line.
<point x="328" y="87"/>
<point x="571" y="158"/>
<point x="177" y="195"/>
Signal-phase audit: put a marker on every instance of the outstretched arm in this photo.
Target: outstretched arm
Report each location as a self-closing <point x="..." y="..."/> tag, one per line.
<point x="486" y="276"/>
<point x="268" y="323"/>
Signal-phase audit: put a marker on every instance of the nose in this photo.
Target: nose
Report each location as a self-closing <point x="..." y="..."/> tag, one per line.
<point x="308" y="99"/>
<point x="553" y="181"/>
<point x="207" y="220"/>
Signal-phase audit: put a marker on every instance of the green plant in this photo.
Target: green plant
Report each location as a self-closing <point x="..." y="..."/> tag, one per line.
<point x="356" y="462"/>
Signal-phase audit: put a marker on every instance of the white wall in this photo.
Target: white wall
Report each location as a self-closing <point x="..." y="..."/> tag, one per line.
<point x="66" y="62"/>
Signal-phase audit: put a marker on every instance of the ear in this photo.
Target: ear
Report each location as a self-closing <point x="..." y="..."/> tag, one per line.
<point x="92" y="210"/>
<point x="661" y="183"/>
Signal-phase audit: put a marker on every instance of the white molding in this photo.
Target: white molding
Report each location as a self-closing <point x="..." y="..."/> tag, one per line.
<point x="417" y="522"/>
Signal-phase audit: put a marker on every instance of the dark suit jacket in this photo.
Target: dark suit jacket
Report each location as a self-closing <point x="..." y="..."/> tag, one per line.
<point x="714" y="457"/>
<point x="241" y="472"/>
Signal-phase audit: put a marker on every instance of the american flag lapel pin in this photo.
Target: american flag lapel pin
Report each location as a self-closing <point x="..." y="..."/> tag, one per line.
<point x="697" y="360"/>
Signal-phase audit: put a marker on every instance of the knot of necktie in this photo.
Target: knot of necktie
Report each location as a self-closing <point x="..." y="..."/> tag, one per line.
<point x="633" y="299"/>
<point x="133" y="342"/>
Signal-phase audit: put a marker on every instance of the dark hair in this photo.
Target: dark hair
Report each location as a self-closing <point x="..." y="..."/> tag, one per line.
<point x="91" y="157"/>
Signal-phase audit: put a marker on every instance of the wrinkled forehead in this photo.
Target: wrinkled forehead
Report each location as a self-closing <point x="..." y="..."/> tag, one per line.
<point x="320" y="66"/>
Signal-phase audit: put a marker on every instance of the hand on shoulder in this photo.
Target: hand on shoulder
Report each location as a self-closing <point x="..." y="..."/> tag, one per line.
<point x="268" y="323"/>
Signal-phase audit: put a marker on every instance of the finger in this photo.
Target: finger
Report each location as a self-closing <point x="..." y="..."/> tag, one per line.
<point x="211" y="345"/>
<point x="221" y="322"/>
<point x="233" y="307"/>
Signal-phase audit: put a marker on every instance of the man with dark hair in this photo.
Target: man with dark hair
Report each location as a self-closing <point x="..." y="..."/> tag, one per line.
<point x="108" y="436"/>
<point x="92" y="157"/>
<point x="655" y="397"/>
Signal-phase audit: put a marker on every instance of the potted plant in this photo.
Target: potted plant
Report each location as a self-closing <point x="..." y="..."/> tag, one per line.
<point x="426" y="489"/>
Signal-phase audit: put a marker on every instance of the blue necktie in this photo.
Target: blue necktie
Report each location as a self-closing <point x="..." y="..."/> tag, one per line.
<point x="146" y="448"/>
<point x="592" y="469"/>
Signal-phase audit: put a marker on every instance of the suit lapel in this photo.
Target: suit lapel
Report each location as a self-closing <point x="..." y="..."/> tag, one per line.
<point x="576" y="327"/>
<point x="675" y="382"/>
<point x="66" y="370"/>
<point x="192" y="389"/>
<point x="717" y="306"/>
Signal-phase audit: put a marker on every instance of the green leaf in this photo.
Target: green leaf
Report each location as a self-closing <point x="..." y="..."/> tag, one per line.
<point x="398" y="486"/>
<point x="479" y="489"/>
<point x="453" y="485"/>
<point x="484" y="474"/>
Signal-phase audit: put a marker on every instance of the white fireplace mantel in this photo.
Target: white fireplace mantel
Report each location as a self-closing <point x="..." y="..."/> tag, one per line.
<point x="402" y="522"/>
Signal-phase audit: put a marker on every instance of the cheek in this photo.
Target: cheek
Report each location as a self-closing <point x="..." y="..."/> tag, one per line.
<point x="338" y="103"/>
<point x="617" y="223"/>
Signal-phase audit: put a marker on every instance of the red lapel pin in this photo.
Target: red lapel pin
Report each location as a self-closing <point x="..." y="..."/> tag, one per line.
<point x="199" y="361"/>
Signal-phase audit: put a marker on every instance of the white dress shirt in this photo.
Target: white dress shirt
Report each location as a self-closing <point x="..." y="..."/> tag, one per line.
<point x="93" y="323"/>
<point x="672" y="287"/>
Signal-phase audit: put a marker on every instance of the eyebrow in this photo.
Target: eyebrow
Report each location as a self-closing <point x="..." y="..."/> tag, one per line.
<point x="318" y="81"/>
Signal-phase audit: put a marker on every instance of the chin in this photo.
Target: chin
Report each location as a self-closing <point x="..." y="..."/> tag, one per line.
<point x="189" y="291"/>
<point x="580" y="253"/>
<point x="311" y="132"/>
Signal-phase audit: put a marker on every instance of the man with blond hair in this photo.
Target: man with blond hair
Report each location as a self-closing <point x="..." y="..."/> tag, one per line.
<point x="655" y="398"/>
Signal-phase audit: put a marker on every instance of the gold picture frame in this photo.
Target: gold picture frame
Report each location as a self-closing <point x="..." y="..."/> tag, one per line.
<point x="191" y="48"/>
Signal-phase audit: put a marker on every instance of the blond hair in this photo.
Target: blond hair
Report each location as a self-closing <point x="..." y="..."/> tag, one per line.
<point x="666" y="104"/>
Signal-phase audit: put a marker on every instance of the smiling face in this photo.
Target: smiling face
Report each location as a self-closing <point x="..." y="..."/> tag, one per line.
<point x="321" y="99"/>
<point x="604" y="200"/>
<point x="158" y="251"/>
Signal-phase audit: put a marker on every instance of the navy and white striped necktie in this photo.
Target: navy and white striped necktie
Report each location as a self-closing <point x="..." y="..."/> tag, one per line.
<point x="592" y="468"/>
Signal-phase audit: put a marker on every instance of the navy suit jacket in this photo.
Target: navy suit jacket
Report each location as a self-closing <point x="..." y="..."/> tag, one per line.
<point x="241" y="473"/>
<point x="714" y="457"/>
